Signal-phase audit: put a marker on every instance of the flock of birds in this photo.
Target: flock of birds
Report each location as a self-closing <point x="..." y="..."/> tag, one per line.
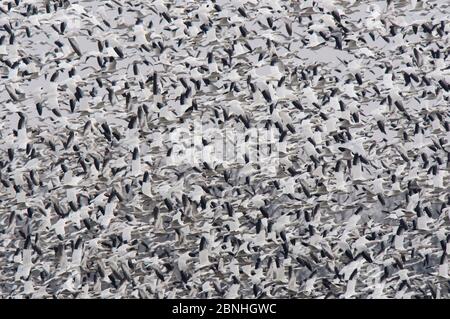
<point x="357" y="92"/>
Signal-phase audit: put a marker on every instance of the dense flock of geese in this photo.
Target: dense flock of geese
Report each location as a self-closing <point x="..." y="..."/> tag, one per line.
<point x="93" y="205"/>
